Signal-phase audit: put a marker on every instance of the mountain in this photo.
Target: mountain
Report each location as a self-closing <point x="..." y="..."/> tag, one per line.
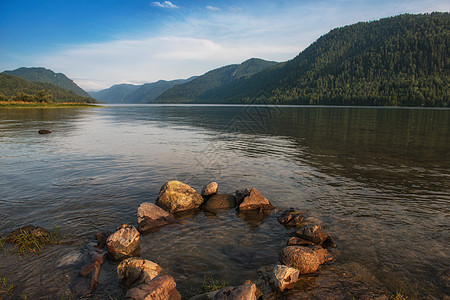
<point x="48" y="76"/>
<point x="212" y="80"/>
<point x="16" y="88"/>
<point x="396" y="61"/>
<point x="115" y="94"/>
<point x="129" y="93"/>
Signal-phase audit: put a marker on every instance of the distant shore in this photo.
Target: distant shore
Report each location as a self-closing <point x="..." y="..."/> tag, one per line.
<point x="20" y="104"/>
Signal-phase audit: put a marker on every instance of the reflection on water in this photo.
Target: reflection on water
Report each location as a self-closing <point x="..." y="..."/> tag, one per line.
<point x="377" y="178"/>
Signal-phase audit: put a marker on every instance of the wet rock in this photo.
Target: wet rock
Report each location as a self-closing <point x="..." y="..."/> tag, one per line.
<point x="151" y="216"/>
<point x="87" y="269"/>
<point x="124" y="242"/>
<point x="299" y="242"/>
<point x="240" y="195"/>
<point x="290" y="218"/>
<point x="315" y="234"/>
<point x="101" y="239"/>
<point x="303" y="259"/>
<point x="99" y="256"/>
<point x="44" y="131"/>
<point x="135" y="271"/>
<point x="255" y="201"/>
<point x="284" y="277"/>
<point x="36" y="231"/>
<point x="160" y="288"/>
<point x="242" y="292"/>
<point x="210" y="189"/>
<point x="323" y="255"/>
<point x="219" y="201"/>
<point x="176" y="196"/>
<point x="95" y="275"/>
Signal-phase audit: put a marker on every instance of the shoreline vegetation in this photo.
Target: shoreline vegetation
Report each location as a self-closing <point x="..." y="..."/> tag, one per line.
<point x="24" y="104"/>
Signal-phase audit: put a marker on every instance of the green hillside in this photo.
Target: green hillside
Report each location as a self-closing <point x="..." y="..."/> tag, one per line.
<point x="216" y="79"/>
<point x="397" y="61"/>
<point x="13" y="88"/>
<point x="48" y="76"/>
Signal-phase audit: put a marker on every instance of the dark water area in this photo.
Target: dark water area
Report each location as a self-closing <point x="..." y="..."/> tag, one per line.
<point x="378" y="179"/>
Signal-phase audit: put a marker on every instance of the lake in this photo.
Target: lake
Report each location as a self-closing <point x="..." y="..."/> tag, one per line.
<point x="378" y="179"/>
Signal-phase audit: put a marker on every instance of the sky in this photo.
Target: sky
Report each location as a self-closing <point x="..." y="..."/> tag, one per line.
<point x="99" y="43"/>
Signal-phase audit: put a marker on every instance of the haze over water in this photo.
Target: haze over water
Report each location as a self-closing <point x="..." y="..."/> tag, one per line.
<point x="378" y="179"/>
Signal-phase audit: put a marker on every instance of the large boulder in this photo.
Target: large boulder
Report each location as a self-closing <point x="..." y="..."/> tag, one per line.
<point x="303" y="259"/>
<point x="160" y="288"/>
<point x="219" y="201"/>
<point x="124" y="242"/>
<point x="176" y="196"/>
<point x="315" y="234"/>
<point x="284" y="277"/>
<point x="210" y="189"/>
<point x="255" y="201"/>
<point x="151" y="216"/>
<point x="135" y="271"/>
<point x="242" y="292"/>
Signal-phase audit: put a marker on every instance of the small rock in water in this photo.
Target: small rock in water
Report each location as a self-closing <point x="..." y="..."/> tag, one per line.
<point x="210" y="189"/>
<point x="135" y="271"/>
<point x="160" y="288"/>
<point x="315" y="234"/>
<point x="151" y="216"/>
<point x="290" y="218"/>
<point x="240" y="195"/>
<point x="255" y="201"/>
<point x="303" y="259"/>
<point x="176" y="196"/>
<point x="124" y="242"/>
<point x="44" y="131"/>
<point x="284" y="277"/>
<point x="219" y="201"/>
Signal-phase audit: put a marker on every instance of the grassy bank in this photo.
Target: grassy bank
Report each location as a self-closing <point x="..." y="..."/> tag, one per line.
<point x="13" y="104"/>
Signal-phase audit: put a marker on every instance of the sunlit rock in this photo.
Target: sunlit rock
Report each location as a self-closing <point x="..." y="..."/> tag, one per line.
<point x="160" y="288"/>
<point x="210" y="189"/>
<point x="255" y="201"/>
<point x="303" y="259"/>
<point x="284" y="277"/>
<point x="151" y="216"/>
<point x="124" y="242"/>
<point x="176" y="196"/>
<point x="135" y="271"/>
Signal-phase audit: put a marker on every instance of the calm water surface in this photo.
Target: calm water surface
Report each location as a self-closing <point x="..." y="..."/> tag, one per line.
<point x="377" y="178"/>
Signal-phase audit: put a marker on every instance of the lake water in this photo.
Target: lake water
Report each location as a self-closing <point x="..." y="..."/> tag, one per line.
<point x="377" y="178"/>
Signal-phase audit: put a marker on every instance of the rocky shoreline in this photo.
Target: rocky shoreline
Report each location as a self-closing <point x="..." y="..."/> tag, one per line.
<point x="299" y="260"/>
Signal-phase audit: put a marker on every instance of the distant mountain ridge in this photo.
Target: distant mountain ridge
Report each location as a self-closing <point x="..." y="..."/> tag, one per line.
<point x="214" y="79"/>
<point x="48" y="76"/>
<point x="130" y="93"/>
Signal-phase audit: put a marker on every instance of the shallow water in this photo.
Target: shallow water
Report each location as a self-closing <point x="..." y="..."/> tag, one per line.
<point x="377" y="178"/>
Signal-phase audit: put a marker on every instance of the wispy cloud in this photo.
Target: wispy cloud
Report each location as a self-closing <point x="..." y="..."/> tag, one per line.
<point x="165" y="4"/>
<point x="212" y="8"/>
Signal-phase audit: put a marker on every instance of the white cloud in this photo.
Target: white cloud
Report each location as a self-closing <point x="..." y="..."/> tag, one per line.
<point x="212" y="8"/>
<point x="165" y="4"/>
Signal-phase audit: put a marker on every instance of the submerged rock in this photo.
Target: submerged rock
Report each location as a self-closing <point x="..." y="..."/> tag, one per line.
<point x="36" y="231"/>
<point x="124" y="242"/>
<point x="210" y="189"/>
<point x="290" y="218"/>
<point x="151" y="216"/>
<point x="135" y="271"/>
<point x="247" y="292"/>
<point x="176" y="196"/>
<point x="255" y="201"/>
<point x="160" y="288"/>
<point x="219" y="201"/>
<point x="303" y="259"/>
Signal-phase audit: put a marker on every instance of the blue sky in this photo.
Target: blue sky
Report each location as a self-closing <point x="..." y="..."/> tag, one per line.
<point x="101" y="43"/>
